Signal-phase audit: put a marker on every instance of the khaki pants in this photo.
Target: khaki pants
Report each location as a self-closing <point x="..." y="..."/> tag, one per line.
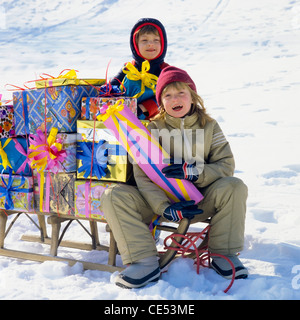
<point x="128" y="215"/>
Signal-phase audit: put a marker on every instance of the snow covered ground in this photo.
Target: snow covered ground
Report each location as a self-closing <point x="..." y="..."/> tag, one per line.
<point x="245" y="59"/>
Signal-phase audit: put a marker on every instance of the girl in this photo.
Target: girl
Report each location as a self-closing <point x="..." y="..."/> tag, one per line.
<point x="129" y="209"/>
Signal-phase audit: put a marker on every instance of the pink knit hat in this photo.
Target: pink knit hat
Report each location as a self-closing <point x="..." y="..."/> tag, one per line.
<point x="172" y="74"/>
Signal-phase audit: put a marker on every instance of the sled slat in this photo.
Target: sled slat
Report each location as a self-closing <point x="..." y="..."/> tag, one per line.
<point x="42" y="258"/>
<point x="64" y="243"/>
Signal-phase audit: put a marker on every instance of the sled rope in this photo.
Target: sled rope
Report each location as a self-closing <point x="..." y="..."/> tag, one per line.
<point x="189" y="246"/>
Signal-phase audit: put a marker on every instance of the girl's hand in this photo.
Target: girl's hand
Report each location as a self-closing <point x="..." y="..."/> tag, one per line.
<point x="183" y="209"/>
<point x="180" y="170"/>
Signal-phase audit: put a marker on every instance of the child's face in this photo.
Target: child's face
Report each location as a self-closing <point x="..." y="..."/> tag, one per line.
<point x="149" y="45"/>
<point x="177" y="102"/>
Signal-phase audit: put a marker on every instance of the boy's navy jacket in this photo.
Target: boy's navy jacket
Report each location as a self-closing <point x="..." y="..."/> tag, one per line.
<point x="156" y="65"/>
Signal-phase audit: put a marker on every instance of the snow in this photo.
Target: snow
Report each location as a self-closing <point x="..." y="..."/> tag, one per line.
<point x="244" y="58"/>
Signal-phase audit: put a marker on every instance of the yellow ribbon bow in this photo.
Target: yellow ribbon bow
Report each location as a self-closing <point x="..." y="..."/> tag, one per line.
<point x="147" y="79"/>
<point x="111" y="110"/>
<point x="3" y="154"/>
<point x="69" y="75"/>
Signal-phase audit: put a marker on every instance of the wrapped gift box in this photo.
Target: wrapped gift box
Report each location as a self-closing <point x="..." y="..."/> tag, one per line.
<point x="16" y="193"/>
<point x="88" y="198"/>
<point x="55" y="82"/>
<point x="146" y="151"/>
<point x="58" y="193"/>
<point x="7" y="121"/>
<point x="16" y="152"/>
<point x="116" y="164"/>
<point x="68" y="141"/>
<point x="63" y="108"/>
<point x="90" y="106"/>
<point x="139" y="84"/>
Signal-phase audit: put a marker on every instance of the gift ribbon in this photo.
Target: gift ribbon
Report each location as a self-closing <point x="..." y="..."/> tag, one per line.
<point x="46" y="206"/>
<point x="87" y="196"/>
<point x="71" y="74"/>
<point x="25" y="112"/>
<point x="46" y="154"/>
<point x="108" y="111"/>
<point x="3" y="154"/>
<point x="8" y="189"/>
<point x="153" y="224"/>
<point x="21" y="150"/>
<point x="147" y="79"/>
<point x="90" y="163"/>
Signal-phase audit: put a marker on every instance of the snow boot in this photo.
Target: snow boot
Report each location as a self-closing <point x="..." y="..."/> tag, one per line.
<point x="140" y="273"/>
<point x="223" y="268"/>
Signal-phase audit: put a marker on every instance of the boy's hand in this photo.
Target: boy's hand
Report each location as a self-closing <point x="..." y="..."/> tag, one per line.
<point x="142" y="112"/>
<point x="181" y="170"/>
<point x="183" y="209"/>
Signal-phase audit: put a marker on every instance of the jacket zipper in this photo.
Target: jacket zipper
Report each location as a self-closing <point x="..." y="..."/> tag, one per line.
<point x="186" y="143"/>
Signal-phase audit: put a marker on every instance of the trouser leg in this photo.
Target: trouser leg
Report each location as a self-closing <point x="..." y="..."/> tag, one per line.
<point x="225" y="202"/>
<point x="128" y="216"/>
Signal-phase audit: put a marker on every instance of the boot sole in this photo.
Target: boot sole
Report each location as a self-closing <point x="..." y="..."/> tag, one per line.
<point x="240" y="272"/>
<point x="130" y="283"/>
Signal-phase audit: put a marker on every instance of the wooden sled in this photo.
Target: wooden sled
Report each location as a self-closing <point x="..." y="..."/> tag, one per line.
<point x="56" y="240"/>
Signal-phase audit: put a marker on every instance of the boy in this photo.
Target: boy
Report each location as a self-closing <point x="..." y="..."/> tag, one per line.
<point x="148" y="41"/>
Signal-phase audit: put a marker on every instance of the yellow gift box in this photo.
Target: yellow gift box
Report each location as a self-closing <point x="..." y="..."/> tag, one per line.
<point x="117" y="167"/>
<point x="65" y="79"/>
<point x="65" y="82"/>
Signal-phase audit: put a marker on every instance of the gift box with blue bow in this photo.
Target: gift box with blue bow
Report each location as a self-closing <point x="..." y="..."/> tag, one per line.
<point x="99" y="154"/>
<point x="16" y="193"/>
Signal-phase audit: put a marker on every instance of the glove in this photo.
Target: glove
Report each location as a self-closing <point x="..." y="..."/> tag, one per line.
<point x="142" y="114"/>
<point x="110" y="89"/>
<point x="179" y="210"/>
<point x="180" y="171"/>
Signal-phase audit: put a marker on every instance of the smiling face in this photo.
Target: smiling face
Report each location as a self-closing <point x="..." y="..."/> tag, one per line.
<point x="177" y="100"/>
<point x="149" y="45"/>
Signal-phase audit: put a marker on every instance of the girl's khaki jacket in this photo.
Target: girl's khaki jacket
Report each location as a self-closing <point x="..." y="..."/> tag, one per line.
<point x="178" y="136"/>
